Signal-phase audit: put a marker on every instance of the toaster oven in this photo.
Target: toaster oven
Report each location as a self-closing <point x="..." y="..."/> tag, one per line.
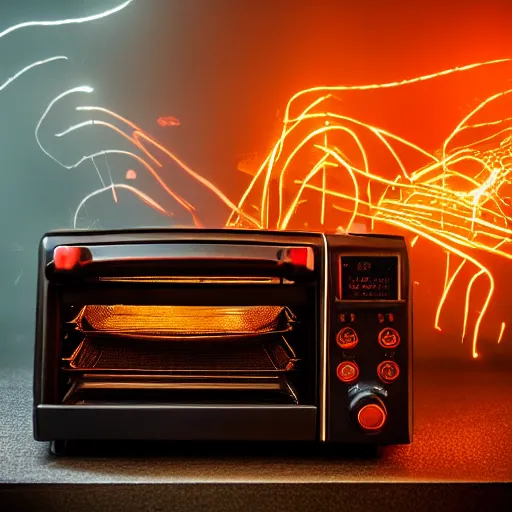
<point x="231" y="335"/>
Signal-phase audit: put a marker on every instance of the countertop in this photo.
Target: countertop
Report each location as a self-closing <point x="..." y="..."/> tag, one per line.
<point x="462" y="453"/>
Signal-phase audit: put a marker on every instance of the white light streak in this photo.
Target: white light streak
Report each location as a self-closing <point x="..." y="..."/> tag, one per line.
<point x="29" y="67"/>
<point x="82" y="88"/>
<point x="68" y="21"/>
<point x="141" y="195"/>
<point x="74" y="127"/>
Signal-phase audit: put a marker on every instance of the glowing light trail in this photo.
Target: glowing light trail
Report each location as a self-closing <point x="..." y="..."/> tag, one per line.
<point x="144" y="197"/>
<point x="68" y="21"/>
<point x="462" y="212"/>
<point x="137" y="137"/>
<point x="502" y="330"/>
<point x="55" y="58"/>
<point x="431" y="202"/>
<point x="29" y="67"/>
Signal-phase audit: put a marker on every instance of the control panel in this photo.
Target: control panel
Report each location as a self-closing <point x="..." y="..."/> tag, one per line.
<point x="369" y="345"/>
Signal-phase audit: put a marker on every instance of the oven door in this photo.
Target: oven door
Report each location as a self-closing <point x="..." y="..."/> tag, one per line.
<point x="183" y="341"/>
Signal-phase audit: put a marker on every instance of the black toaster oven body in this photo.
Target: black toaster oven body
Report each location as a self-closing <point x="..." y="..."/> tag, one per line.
<point x="223" y="335"/>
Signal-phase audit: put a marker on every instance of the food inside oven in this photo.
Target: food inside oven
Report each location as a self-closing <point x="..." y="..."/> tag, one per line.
<point x="176" y="322"/>
<point x="180" y="354"/>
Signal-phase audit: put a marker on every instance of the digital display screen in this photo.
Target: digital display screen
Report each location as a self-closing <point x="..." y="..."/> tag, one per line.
<point x="368" y="278"/>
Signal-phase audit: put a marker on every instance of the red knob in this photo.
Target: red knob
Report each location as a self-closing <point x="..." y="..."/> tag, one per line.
<point x="388" y="371"/>
<point x="389" y="338"/>
<point x="371" y="417"/>
<point x="347" y="371"/>
<point x="347" y="338"/>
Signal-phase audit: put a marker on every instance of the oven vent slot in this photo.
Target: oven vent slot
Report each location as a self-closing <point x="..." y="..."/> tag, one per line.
<point x="226" y="280"/>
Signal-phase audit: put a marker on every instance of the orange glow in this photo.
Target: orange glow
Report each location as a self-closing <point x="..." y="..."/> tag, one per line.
<point x="131" y="174"/>
<point x="167" y="121"/>
<point x="457" y="199"/>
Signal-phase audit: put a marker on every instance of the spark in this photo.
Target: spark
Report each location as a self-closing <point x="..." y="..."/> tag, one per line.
<point x="468" y="296"/>
<point x="98" y="171"/>
<point x="448" y="283"/>
<point x="502" y="330"/>
<point x="67" y="21"/>
<point x="17" y="280"/>
<point x="111" y="181"/>
<point x="168" y="121"/>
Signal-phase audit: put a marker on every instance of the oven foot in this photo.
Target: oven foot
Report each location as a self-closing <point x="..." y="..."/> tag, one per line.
<point x="58" y="447"/>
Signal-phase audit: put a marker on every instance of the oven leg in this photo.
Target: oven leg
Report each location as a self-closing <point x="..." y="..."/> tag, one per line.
<point x="58" y="447"/>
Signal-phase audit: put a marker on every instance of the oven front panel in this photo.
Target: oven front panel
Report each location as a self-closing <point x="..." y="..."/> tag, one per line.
<point x="234" y="336"/>
<point x="180" y="340"/>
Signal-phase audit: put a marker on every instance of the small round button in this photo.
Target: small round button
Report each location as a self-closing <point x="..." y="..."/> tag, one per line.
<point x="347" y="338"/>
<point x="389" y="338"/>
<point x="347" y="371"/>
<point x="388" y="371"/>
<point x="371" y="417"/>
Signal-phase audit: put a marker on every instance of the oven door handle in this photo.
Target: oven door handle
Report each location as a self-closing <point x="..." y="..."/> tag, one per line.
<point x="69" y="258"/>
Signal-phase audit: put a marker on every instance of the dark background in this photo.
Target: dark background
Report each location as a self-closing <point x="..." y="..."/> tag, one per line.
<point x="225" y="69"/>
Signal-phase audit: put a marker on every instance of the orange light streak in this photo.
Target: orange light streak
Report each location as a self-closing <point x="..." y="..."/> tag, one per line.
<point x="136" y="138"/>
<point x="448" y="283"/>
<point x="502" y="330"/>
<point x="457" y="200"/>
<point x="139" y="134"/>
<point x="431" y="202"/>
<point x="141" y="195"/>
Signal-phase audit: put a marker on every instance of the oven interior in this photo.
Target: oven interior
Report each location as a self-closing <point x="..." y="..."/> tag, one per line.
<point x="146" y="342"/>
